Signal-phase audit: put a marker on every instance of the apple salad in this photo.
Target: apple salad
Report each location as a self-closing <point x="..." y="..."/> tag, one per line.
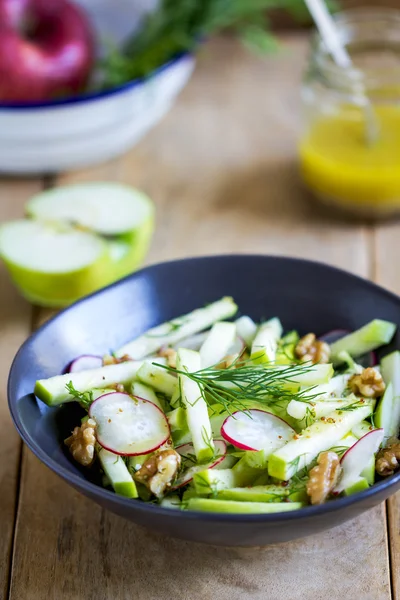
<point x="213" y="414"/>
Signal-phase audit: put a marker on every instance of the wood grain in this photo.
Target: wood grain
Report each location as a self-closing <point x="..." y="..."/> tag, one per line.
<point x="81" y="552"/>
<point x="386" y="245"/>
<point x="15" y="317"/>
<point x="221" y="169"/>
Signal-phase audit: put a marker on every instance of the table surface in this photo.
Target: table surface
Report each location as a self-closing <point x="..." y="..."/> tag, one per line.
<point x="221" y="168"/>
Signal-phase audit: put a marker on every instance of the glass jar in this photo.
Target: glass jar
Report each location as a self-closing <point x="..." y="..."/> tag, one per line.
<point x="339" y="161"/>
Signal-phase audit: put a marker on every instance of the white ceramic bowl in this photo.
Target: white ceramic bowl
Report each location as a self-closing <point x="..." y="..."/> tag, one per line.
<point x="75" y="132"/>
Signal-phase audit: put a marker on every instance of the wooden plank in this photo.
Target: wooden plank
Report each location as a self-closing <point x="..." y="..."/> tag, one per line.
<point x="222" y="166"/>
<point x="221" y="169"/>
<point x="386" y="245"/>
<point x="15" y="317"/>
<point x="84" y="553"/>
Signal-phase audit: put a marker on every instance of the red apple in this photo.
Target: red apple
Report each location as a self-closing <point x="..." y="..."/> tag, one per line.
<point x="46" y="49"/>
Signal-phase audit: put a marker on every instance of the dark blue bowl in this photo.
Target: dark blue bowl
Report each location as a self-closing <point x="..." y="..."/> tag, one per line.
<point x="307" y="296"/>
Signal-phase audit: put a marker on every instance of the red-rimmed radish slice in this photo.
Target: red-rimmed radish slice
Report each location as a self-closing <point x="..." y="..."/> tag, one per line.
<point x="187" y="450"/>
<point x="84" y="362"/>
<point x="357" y="458"/>
<point x="256" y="429"/>
<point x="332" y="336"/>
<point x="128" y="425"/>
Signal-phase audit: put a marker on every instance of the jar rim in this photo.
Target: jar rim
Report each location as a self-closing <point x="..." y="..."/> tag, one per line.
<point x="354" y="76"/>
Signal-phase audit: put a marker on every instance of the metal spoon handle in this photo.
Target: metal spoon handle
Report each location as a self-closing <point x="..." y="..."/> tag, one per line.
<point x="328" y="31"/>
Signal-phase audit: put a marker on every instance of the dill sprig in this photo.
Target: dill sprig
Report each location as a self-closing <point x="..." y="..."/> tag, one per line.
<point x="85" y="399"/>
<point x="177" y="26"/>
<point x="237" y="385"/>
<point x="171" y="326"/>
<point x="339" y="450"/>
<point x="353" y="406"/>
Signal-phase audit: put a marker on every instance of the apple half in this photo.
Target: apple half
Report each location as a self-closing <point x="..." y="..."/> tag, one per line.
<point x="122" y="215"/>
<point x="52" y="264"/>
<point x="76" y="240"/>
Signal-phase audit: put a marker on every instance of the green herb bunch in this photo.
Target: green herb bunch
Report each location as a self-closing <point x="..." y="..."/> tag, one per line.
<point x="178" y="26"/>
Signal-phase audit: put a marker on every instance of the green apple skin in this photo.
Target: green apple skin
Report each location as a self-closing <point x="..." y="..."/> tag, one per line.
<point x="56" y="290"/>
<point x="137" y="243"/>
<point x="358" y="486"/>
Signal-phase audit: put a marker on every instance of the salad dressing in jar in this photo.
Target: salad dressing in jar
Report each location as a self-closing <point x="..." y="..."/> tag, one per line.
<point x="338" y="163"/>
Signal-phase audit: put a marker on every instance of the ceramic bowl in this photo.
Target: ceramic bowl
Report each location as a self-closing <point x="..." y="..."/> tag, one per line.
<point x="306" y="296"/>
<point x="75" y="132"/>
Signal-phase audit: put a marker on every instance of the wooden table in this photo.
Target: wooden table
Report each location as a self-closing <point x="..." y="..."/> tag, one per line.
<point x="221" y="169"/>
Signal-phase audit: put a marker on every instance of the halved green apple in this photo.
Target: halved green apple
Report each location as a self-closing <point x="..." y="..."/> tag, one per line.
<point x="53" y="264"/>
<point x="119" y="213"/>
<point x="77" y="239"/>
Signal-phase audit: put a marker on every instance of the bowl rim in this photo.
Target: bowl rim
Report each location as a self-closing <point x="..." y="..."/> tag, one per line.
<point x="87" y="97"/>
<point x="146" y="508"/>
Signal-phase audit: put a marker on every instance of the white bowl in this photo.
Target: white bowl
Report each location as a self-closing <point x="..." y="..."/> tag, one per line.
<point x="75" y="132"/>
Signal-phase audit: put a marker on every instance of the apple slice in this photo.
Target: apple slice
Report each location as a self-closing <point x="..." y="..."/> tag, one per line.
<point x="265" y="343"/>
<point x="256" y="430"/>
<point x="85" y="362"/>
<point x="52" y="264"/>
<point x="127" y="425"/>
<point x="357" y="458"/>
<point x="246" y="329"/>
<point x="193" y="342"/>
<point x="238" y="346"/>
<point x="106" y="208"/>
<point x="187" y="451"/>
<point x="217" y="344"/>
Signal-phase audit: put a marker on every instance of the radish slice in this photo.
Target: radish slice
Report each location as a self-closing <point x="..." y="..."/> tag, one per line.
<point x="256" y="430"/>
<point x="357" y="458"/>
<point x="84" y="362"/>
<point x="127" y="425"/>
<point x="187" y="451"/>
<point x="334" y="335"/>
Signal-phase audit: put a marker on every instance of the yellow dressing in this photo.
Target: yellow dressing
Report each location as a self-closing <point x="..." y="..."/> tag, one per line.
<point x="338" y="164"/>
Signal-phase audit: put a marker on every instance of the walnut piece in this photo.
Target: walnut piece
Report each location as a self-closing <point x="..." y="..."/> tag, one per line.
<point x="368" y="384"/>
<point x="236" y="360"/>
<point x="388" y="459"/>
<point x="323" y="477"/>
<point x="118" y="387"/>
<point x="113" y="360"/>
<point x="227" y="361"/>
<point x="158" y="472"/>
<point x="309" y="349"/>
<point x="170" y="355"/>
<point x="81" y="443"/>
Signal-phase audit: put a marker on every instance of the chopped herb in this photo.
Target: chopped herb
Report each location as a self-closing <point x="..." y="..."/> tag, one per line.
<point x="85" y="399"/>
<point x="208" y="440"/>
<point x="339" y="450"/>
<point x="234" y="387"/>
<point x="173" y="325"/>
